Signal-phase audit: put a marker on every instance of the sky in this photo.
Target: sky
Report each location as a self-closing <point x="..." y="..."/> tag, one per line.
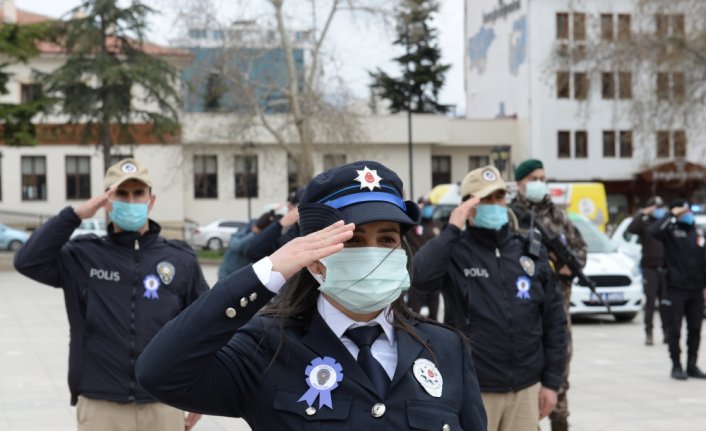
<point x="359" y="45"/>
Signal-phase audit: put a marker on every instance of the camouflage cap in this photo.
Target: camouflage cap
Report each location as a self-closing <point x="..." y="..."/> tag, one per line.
<point x="482" y="182"/>
<point x="127" y="169"/>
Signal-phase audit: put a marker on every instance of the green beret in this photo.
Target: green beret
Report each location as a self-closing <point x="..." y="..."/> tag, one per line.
<point x="527" y="167"/>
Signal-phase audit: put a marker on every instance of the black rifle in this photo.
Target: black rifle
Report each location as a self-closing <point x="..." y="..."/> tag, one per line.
<point x="564" y="256"/>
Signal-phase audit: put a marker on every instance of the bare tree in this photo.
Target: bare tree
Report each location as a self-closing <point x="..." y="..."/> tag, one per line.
<point x="651" y="62"/>
<point x="299" y="100"/>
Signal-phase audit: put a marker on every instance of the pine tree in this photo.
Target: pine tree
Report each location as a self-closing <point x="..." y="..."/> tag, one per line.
<point x="422" y="77"/>
<point x="108" y="77"/>
<point x="19" y="43"/>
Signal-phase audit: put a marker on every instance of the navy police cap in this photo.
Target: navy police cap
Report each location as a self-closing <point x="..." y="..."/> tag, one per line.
<point x="358" y="192"/>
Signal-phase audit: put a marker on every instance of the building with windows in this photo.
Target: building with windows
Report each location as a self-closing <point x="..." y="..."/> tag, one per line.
<point x="592" y="96"/>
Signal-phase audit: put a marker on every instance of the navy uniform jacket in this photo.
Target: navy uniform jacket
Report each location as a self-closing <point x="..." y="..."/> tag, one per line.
<point x="207" y="361"/>
<point x="111" y="314"/>
<point x="506" y="302"/>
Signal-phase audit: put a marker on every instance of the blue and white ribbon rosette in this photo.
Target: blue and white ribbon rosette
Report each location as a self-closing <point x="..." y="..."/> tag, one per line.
<point x="323" y="376"/>
<point x="523" y="287"/>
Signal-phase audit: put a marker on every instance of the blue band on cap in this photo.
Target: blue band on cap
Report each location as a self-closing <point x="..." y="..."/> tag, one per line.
<point x="366" y="197"/>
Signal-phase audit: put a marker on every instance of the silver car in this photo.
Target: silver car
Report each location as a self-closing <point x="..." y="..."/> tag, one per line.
<point x="215" y="235"/>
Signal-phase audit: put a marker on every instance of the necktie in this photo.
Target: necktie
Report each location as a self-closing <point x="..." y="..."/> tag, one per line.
<point x="364" y="337"/>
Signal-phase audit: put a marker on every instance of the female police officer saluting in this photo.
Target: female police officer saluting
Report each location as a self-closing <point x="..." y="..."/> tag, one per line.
<point x="348" y="355"/>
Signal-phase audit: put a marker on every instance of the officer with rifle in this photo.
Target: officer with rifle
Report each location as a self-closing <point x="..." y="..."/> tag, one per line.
<point x="567" y="253"/>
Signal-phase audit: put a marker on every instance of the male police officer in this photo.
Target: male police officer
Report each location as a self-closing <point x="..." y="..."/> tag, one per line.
<point x="505" y="300"/>
<point x="119" y="290"/>
<point x="533" y="197"/>
<point x="685" y="258"/>
<point x="651" y="264"/>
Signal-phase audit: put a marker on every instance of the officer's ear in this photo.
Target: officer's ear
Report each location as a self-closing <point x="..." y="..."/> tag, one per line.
<point x="153" y="198"/>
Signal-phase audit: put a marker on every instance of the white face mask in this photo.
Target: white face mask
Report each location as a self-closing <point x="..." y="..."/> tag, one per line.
<point x="535" y="191"/>
<point x="364" y="279"/>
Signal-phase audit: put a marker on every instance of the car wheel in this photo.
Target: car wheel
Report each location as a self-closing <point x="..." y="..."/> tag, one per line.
<point x="214" y="244"/>
<point x="624" y="317"/>
<point x="14" y="245"/>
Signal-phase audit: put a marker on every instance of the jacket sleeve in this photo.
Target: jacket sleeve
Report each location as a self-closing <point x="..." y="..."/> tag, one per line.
<point x="41" y="257"/>
<point x="200" y="361"/>
<point x="554" y="336"/>
<point x="637" y="225"/>
<point x="474" y="417"/>
<point x="265" y="242"/>
<point x="658" y="228"/>
<point x="432" y="260"/>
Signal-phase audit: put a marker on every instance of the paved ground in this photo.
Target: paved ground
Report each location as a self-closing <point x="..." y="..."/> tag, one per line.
<point x="618" y="383"/>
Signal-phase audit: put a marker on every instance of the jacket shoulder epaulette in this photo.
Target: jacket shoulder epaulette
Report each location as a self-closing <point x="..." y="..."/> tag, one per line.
<point x="181" y="245"/>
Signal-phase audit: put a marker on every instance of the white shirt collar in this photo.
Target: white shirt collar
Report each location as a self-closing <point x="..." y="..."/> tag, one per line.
<point x="339" y="322"/>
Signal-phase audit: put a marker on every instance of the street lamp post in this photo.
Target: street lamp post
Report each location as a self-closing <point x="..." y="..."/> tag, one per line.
<point x="501" y="157"/>
<point x="409" y="114"/>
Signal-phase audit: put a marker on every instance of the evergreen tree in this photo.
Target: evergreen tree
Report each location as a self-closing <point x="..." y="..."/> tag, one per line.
<point x="422" y="77"/>
<point x="108" y="77"/>
<point x="19" y="43"/>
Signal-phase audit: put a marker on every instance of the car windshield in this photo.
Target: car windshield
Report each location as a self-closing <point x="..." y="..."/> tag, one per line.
<point x="596" y="241"/>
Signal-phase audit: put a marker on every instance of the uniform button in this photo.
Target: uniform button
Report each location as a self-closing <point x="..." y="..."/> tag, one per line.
<point x="253" y="296"/>
<point x="446" y="427"/>
<point x="243" y="302"/>
<point x="378" y="410"/>
<point x="310" y="411"/>
<point x="230" y="312"/>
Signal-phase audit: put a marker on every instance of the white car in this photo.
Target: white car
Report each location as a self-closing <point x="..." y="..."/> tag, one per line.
<point x="91" y="225"/>
<point x="630" y="244"/>
<point x="617" y="277"/>
<point x="215" y="235"/>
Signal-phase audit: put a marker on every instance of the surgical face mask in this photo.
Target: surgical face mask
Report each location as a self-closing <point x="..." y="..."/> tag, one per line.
<point x="365" y="279"/>
<point x="127" y="216"/>
<point x="687" y="218"/>
<point x="659" y="212"/>
<point x="535" y="191"/>
<point x="490" y="216"/>
<point x="427" y="212"/>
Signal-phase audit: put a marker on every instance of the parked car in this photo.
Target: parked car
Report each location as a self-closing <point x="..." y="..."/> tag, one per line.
<point x="630" y="244"/>
<point x="12" y="239"/>
<point x="215" y="235"/>
<point x="617" y="276"/>
<point x="91" y="225"/>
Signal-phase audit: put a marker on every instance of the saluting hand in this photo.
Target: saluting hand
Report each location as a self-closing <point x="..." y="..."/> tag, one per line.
<point x="462" y="212"/>
<point x="89" y="208"/>
<point x="290" y="218"/>
<point x="305" y="250"/>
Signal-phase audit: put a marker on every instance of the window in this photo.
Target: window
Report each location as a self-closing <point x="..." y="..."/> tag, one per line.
<point x="671" y="86"/>
<point x="662" y="25"/>
<point x="562" y="85"/>
<point x="246" y="176"/>
<point x="608" y="85"/>
<point x="564" y="144"/>
<point x="608" y="143"/>
<point x="440" y="170"/>
<point x="624" y="32"/>
<point x="678" y="25"/>
<point x="34" y="178"/>
<point x="679" y="143"/>
<point x="292" y="172"/>
<point x="562" y="26"/>
<point x="579" y="26"/>
<point x="678" y="87"/>
<point x="662" y="143"/>
<point x="205" y="177"/>
<point x="607" y="26"/>
<point x="78" y="177"/>
<point x="625" y="85"/>
<point x="580" y="86"/>
<point x="625" y="144"/>
<point x="669" y="25"/>
<point x="581" y="144"/>
<point x="475" y="162"/>
<point x="662" y="86"/>
<point x="667" y="139"/>
<point x="333" y="160"/>
<point x="30" y="92"/>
